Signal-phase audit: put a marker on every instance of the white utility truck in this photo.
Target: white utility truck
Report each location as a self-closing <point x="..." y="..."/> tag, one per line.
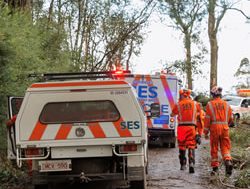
<point x="240" y="104"/>
<point x="81" y="130"/>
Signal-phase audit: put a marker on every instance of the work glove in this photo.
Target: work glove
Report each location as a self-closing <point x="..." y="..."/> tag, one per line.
<point x="198" y="139"/>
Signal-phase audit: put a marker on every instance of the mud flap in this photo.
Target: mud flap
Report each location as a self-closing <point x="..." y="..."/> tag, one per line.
<point x="140" y="184"/>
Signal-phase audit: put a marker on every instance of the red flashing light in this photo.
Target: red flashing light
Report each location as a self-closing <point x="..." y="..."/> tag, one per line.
<point x="119" y="72"/>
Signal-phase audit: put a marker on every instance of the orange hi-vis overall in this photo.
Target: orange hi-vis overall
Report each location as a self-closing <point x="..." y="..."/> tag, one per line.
<point x="200" y="122"/>
<point x="218" y="116"/>
<point x="186" y="109"/>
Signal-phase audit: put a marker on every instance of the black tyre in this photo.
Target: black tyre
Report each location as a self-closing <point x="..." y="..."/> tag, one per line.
<point x="41" y="186"/>
<point x="137" y="185"/>
<point x="172" y="145"/>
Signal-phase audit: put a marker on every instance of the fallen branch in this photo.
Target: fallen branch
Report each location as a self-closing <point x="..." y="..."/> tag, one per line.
<point x="243" y="164"/>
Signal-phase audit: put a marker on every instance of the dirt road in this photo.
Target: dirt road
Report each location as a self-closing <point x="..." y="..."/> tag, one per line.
<point x="164" y="169"/>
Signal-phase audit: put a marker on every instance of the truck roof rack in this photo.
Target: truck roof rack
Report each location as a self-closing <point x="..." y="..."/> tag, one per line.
<point x="79" y="75"/>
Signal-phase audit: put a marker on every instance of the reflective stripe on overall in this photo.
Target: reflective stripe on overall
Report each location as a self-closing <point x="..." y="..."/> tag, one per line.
<point x="219" y="134"/>
<point x="186" y="127"/>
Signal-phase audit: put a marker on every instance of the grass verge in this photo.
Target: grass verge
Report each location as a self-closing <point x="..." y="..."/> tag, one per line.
<point x="240" y="138"/>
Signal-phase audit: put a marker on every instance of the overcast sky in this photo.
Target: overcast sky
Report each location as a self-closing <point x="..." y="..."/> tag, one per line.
<point x="165" y="44"/>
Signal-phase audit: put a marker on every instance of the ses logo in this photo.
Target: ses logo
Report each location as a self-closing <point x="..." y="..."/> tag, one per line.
<point x="148" y="93"/>
<point x="144" y="91"/>
<point x="130" y="125"/>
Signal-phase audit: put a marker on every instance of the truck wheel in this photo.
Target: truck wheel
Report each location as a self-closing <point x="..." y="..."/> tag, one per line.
<point x="137" y="185"/>
<point x="172" y="144"/>
<point x="41" y="186"/>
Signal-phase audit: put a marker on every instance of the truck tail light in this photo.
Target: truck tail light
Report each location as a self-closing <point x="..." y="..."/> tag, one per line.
<point x="172" y="119"/>
<point x="128" y="148"/>
<point x="34" y="152"/>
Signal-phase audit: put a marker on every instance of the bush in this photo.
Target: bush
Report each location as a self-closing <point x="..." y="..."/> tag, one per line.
<point x="10" y="176"/>
<point x="241" y="154"/>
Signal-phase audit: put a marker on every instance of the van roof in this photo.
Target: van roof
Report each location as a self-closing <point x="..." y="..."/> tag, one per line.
<point x="59" y="85"/>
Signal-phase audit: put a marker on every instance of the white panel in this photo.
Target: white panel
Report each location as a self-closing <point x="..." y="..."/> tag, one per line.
<point x="125" y="104"/>
<point x="109" y="129"/>
<point x="88" y="133"/>
<point x="50" y="132"/>
<point x="81" y="151"/>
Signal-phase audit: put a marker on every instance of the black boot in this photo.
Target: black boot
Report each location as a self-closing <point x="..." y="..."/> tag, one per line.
<point x="191" y="160"/>
<point x="215" y="171"/>
<point x="229" y="167"/>
<point x="183" y="160"/>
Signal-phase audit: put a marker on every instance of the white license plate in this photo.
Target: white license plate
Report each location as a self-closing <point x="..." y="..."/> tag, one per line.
<point x="55" y="165"/>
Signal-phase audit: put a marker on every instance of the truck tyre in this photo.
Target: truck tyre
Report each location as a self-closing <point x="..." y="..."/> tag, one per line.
<point x="41" y="186"/>
<point x="172" y="144"/>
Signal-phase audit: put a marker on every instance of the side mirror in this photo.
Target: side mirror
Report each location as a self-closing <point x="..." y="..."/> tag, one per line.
<point x="155" y="110"/>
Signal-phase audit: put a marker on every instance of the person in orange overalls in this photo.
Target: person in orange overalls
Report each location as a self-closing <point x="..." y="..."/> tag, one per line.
<point x="218" y="116"/>
<point x="186" y="109"/>
<point x="200" y="125"/>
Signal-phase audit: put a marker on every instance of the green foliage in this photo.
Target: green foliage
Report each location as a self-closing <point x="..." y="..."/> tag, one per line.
<point x="25" y="48"/>
<point x="202" y="98"/>
<point x="10" y="176"/>
<point x="243" y="180"/>
<point x="240" y="136"/>
<point x="243" y="74"/>
<point x="240" y="154"/>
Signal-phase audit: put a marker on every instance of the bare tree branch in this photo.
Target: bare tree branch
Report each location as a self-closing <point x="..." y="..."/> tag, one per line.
<point x="247" y="17"/>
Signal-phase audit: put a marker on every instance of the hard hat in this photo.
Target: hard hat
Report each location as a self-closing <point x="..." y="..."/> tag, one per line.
<point x="185" y="92"/>
<point x="216" y="91"/>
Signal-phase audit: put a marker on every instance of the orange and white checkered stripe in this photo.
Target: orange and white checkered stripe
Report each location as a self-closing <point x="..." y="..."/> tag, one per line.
<point x="92" y="130"/>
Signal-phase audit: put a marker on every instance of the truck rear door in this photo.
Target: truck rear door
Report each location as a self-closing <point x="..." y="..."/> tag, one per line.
<point x="54" y="117"/>
<point x="14" y="104"/>
<point x="157" y="89"/>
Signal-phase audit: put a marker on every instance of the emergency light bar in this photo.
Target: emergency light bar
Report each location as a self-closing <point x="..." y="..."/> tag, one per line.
<point x="80" y="75"/>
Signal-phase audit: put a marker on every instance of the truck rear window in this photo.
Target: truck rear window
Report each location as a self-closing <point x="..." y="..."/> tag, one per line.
<point x="79" y="112"/>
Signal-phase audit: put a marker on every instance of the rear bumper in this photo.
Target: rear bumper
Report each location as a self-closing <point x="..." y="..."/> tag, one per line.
<point x="133" y="174"/>
<point x="38" y="179"/>
<point x="167" y="135"/>
<point x="160" y="132"/>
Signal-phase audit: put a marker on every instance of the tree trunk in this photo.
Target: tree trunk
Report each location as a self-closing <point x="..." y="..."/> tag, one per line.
<point x="212" y="32"/>
<point x="214" y="60"/>
<point x="188" y="60"/>
<point x="50" y="12"/>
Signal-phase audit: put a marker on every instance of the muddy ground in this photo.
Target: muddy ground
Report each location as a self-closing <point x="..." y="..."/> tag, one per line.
<point x="164" y="169"/>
